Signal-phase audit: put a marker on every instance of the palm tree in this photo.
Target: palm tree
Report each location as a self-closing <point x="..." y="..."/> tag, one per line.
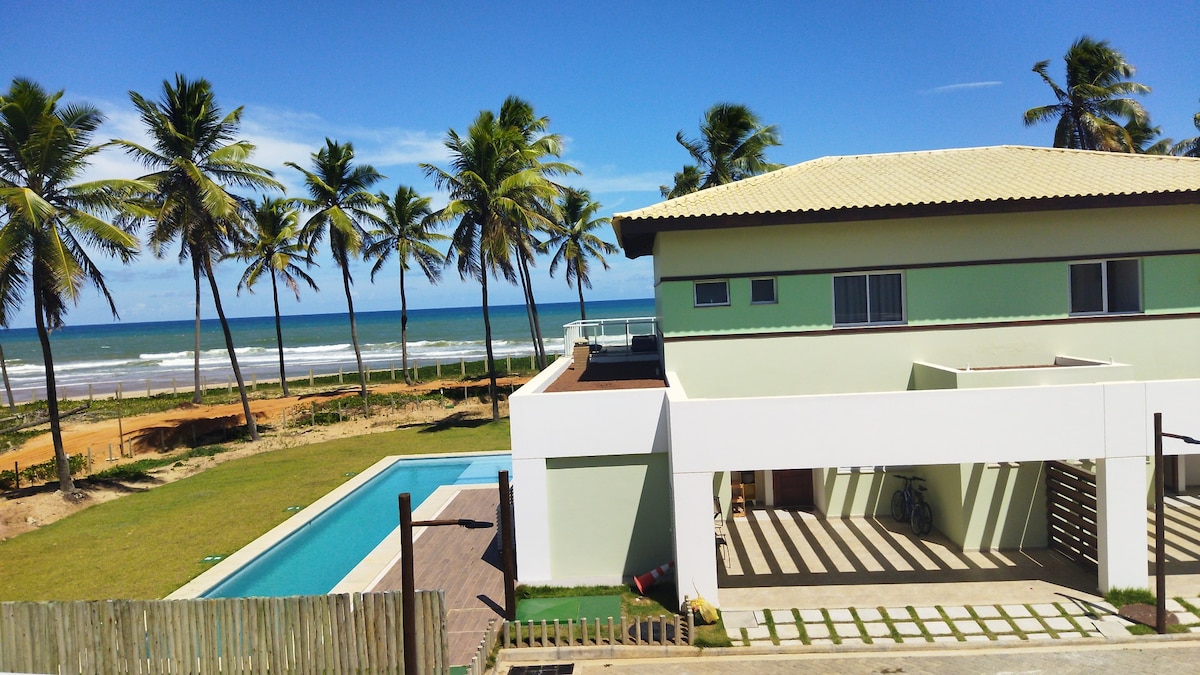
<point x="686" y="181"/>
<point x="340" y="197"/>
<point x="1094" y="106"/>
<point x="575" y="240"/>
<point x="1189" y="147"/>
<point x="405" y="232"/>
<point x="492" y="181"/>
<point x="517" y="114"/>
<point x="194" y="157"/>
<point x="732" y="146"/>
<point x="273" y="247"/>
<point x="51" y="221"/>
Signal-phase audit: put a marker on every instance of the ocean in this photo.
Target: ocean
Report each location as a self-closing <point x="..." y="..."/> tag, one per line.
<point x="160" y="353"/>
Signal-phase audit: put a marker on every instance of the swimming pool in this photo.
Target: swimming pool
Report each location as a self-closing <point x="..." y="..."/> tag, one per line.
<point x="313" y="558"/>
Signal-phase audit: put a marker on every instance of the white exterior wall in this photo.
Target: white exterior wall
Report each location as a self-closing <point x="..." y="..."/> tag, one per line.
<point x="571" y="424"/>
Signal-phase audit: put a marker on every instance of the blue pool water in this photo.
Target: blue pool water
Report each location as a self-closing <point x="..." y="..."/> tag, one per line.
<point x="314" y="558"/>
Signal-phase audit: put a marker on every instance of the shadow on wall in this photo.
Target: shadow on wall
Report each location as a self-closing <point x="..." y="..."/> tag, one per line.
<point x="650" y="541"/>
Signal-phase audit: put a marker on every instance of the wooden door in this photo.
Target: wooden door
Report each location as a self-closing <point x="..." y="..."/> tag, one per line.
<point x="793" y="488"/>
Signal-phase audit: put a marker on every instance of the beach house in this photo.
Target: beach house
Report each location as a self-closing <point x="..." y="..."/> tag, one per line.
<point x="968" y="315"/>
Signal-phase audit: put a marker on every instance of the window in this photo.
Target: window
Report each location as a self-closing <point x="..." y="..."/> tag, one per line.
<point x="868" y="298"/>
<point x="1107" y="287"/>
<point x="762" y="291"/>
<point x="712" y="293"/>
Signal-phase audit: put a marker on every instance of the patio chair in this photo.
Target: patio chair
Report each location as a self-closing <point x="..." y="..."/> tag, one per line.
<point x="719" y="531"/>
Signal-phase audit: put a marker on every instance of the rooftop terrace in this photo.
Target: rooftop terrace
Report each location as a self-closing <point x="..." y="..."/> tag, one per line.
<point x="611" y="354"/>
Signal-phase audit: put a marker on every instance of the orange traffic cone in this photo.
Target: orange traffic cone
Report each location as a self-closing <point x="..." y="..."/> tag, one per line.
<point x="648" y="579"/>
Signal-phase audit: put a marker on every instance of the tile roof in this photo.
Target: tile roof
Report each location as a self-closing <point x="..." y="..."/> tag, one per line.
<point x="991" y="174"/>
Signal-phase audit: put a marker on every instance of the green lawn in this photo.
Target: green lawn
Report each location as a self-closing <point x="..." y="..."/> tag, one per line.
<point x="146" y="545"/>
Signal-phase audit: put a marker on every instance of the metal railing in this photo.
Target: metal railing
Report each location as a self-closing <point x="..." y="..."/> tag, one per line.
<point x="608" y="332"/>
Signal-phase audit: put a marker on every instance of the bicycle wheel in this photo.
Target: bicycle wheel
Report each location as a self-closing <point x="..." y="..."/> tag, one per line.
<point x="898" y="506"/>
<point x="922" y="519"/>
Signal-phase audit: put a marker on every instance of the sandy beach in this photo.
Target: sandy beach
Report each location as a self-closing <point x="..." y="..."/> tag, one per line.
<point x="31" y="507"/>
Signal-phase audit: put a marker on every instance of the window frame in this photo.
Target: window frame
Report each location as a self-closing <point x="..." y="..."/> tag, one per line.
<point x="867" y="285"/>
<point x="1104" y="287"/>
<point x="774" y="291"/>
<point x="696" y="298"/>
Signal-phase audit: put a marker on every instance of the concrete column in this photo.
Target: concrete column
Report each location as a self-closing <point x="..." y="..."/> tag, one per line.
<point x="531" y="508"/>
<point x="695" y="540"/>
<point x="1121" y="526"/>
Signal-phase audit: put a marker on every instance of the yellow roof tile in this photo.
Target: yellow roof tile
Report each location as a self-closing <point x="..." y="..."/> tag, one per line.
<point x="991" y="174"/>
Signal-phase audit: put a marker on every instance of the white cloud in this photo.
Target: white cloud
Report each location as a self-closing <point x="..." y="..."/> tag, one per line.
<point x="962" y="86"/>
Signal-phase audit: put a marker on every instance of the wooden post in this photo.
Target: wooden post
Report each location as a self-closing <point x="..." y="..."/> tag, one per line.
<point x="408" y="604"/>
<point x="508" y="364"/>
<point x="437" y="366"/>
<point x="147" y="387"/>
<point x="89" y="392"/>
<point x="392" y="371"/>
<point x="507" y="543"/>
<point x="310" y="377"/>
<point x="174" y="386"/>
<point x="340" y="379"/>
<point x="254" y="382"/>
<point x="1160" y="531"/>
<point x="89" y="459"/>
<point x="229" y="383"/>
<point x="531" y="363"/>
<point x="339" y="411"/>
<point x="462" y="364"/>
<point x="314" y="414"/>
<point x="17" y="474"/>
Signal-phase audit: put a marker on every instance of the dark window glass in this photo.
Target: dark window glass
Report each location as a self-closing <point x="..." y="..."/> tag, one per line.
<point x="1123" y="288"/>
<point x="850" y="299"/>
<point x="762" y="290"/>
<point x="886" y="298"/>
<point x="712" y="293"/>
<point x="1087" y="288"/>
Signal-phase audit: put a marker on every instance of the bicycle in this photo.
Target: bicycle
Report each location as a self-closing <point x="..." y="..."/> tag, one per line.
<point x="908" y="504"/>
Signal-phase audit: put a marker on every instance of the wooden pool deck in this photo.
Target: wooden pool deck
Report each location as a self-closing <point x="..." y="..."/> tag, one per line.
<point x="466" y="563"/>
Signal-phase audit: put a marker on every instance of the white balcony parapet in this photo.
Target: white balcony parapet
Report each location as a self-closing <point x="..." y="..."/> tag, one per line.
<point x="608" y="332"/>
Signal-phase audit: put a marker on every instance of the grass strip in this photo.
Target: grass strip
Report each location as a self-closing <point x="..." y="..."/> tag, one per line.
<point x="800" y="627"/>
<point x="147" y="544"/>
<point x="770" y="619"/>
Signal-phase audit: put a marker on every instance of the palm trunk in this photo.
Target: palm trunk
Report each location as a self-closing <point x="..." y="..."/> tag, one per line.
<point x="197" y="396"/>
<point x="582" y="311"/>
<point x="65" y="483"/>
<point x="487" y="338"/>
<point x="251" y="425"/>
<point x="279" y="335"/>
<point x="362" y="378"/>
<point x="528" y="308"/>
<point x="12" y="404"/>
<point x="403" y="328"/>
<point x="539" y="345"/>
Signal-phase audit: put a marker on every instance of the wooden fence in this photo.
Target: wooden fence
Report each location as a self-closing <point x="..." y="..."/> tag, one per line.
<point x="672" y="630"/>
<point x="1071" y="513"/>
<point x="358" y="633"/>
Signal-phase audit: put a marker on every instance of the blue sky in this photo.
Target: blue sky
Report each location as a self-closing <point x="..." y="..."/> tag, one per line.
<point x="617" y="80"/>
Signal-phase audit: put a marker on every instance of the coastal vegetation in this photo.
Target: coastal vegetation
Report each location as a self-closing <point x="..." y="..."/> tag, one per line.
<point x="574" y="241"/>
<point x="405" y="230"/>
<point x="272" y="245"/>
<point x="732" y="146"/>
<point x="340" y="197"/>
<point x="51" y="221"/>
<point x="194" y="159"/>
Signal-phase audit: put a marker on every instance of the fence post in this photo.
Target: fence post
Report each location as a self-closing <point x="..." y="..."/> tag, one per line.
<point x="254" y="382"/>
<point x="230" y="383"/>
<point x="392" y="370"/>
<point x="310" y="377"/>
<point x="462" y="361"/>
<point x="531" y="363"/>
<point x="147" y="387"/>
<point x="89" y="392"/>
<point x="314" y="414"/>
<point x="17" y="473"/>
<point x="174" y="386"/>
<point x="508" y="364"/>
<point x="340" y="379"/>
<point x="437" y="365"/>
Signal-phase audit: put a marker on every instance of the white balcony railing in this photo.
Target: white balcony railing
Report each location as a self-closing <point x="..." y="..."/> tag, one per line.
<point x="608" y="332"/>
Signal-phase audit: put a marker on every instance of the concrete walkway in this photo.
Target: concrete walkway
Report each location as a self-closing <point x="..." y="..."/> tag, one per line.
<point x="1064" y="620"/>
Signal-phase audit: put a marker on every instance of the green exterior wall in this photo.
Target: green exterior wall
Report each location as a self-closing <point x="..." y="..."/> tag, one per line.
<point x="1169" y="284"/>
<point x="977" y="506"/>
<point x="611" y="515"/>
<point x="982" y="293"/>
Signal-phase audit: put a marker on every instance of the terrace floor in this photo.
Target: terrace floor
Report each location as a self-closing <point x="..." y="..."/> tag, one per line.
<point x="781" y="556"/>
<point x="465" y="563"/>
<point x="602" y="373"/>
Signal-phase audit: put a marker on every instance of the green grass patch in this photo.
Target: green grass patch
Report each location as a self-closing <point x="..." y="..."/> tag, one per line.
<point x="1119" y="597"/>
<point x="1139" y="629"/>
<point x="147" y="544"/>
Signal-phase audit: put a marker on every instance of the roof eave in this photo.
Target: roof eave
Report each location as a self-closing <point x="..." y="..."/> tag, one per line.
<point x="636" y="235"/>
